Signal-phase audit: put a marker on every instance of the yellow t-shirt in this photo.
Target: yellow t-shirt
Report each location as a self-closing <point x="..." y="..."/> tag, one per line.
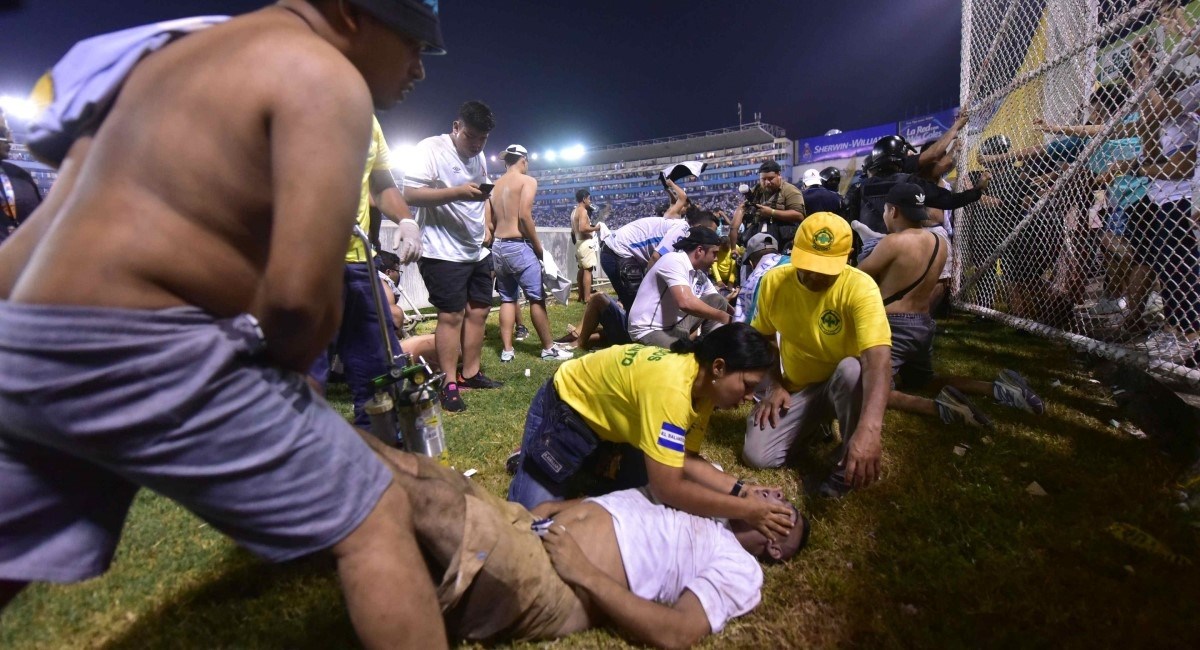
<point x="378" y="158"/>
<point x="725" y="268"/>
<point x="640" y="395"/>
<point x="818" y="330"/>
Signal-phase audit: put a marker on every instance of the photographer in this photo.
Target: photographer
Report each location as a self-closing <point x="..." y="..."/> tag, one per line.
<point x="774" y="206"/>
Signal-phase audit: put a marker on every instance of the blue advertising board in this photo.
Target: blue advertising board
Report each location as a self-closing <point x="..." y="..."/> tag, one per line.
<point x="927" y="128"/>
<point x="842" y="145"/>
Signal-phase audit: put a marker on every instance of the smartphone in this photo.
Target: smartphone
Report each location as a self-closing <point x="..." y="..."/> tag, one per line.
<point x="486" y="188"/>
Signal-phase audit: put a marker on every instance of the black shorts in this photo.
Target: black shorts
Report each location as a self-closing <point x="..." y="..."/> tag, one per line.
<point x="452" y="284"/>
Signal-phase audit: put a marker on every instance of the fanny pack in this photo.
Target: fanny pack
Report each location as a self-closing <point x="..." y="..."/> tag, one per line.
<point x="563" y="441"/>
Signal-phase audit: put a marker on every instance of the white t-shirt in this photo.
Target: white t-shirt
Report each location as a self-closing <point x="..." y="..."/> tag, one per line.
<point x="743" y="309"/>
<point x="641" y="237"/>
<point x="666" y="551"/>
<point x="654" y="308"/>
<point x="454" y="231"/>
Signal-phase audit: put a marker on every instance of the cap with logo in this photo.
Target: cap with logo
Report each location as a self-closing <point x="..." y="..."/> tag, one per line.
<point x="516" y="150"/>
<point x="812" y="178"/>
<point x="759" y="243"/>
<point x="822" y="244"/>
<point x="909" y="199"/>
<point x="415" y="18"/>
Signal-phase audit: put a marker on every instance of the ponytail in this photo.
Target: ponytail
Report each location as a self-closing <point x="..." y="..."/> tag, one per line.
<point x="740" y="345"/>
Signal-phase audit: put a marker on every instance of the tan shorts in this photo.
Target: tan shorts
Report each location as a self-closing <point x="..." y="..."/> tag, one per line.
<point x="586" y="255"/>
<point x="501" y="585"/>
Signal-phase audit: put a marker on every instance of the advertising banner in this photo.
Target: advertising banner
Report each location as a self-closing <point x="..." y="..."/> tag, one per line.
<point x="842" y="145"/>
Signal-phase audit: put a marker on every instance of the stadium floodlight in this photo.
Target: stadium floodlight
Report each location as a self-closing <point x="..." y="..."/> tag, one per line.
<point x="533" y="156"/>
<point x="572" y="153"/>
<point x="551" y="155"/>
<point x="402" y="156"/>
<point x="18" y="107"/>
<point x="493" y="157"/>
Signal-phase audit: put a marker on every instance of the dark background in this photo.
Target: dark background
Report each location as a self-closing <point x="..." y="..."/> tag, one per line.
<point x="599" y="72"/>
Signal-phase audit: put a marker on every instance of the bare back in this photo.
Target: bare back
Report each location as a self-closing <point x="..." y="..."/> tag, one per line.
<point x="512" y="199"/>
<point x="902" y="258"/>
<point x="191" y="183"/>
<point x="580" y="223"/>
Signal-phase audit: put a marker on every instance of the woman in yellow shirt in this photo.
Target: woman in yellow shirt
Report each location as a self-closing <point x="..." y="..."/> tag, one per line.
<point x="636" y="415"/>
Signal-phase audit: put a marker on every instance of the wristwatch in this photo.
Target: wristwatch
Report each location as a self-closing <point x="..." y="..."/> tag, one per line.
<point x="737" y="488"/>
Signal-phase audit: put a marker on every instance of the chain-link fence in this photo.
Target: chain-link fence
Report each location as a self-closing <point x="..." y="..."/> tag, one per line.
<point x="1083" y="125"/>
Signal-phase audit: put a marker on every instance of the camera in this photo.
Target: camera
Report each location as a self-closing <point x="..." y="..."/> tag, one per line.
<point x="752" y="195"/>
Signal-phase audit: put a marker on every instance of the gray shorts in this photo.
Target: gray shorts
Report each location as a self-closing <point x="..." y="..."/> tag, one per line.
<point x="95" y="403"/>
<point x="912" y="349"/>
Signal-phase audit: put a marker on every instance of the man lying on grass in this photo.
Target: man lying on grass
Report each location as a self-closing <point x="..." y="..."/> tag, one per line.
<point x="657" y="575"/>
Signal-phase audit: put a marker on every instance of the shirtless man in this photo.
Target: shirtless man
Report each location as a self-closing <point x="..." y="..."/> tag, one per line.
<point x="143" y="366"/>
<point x="587" y="254"/>
<point x="660" y="576"/>
<point x="906" y="265"/>
<point x="518" y="253"/>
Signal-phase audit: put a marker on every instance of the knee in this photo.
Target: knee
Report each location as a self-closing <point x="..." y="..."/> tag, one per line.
<point x="450" y="318"/>
<point x="848" y="374"/>
<point x="390" y="520"/>
<point x="758" y="458"/>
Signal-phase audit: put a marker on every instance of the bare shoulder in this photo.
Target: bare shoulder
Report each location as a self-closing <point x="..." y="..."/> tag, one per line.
<point x="530" y="182"/>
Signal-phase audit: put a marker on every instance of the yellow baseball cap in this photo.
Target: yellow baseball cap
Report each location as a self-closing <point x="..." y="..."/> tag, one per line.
<point x="822" y="244"/>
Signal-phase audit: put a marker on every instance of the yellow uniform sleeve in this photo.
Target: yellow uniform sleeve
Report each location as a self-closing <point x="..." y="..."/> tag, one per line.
<point x="664" y="424"/>
<point x="766" y="295"/>
<point x="699" y="429"/>
<point x="871" y="326"/>
<point x="383" y="155"/>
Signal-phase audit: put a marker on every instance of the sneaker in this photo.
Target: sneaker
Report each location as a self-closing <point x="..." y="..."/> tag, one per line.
<point x="507" y="355"/>
<point x="1107" y="307"/>
<point x="480" y="380"/>
<point x="1011" y="389"/>
<point x="571" y="336"/>
<point x="513" y="462"/>
<point x="556" y="353"/>
<point x="451" y="401"/>
<point x="521" y="333"/>
<point x="1166" y="346"/>
<point x="953" y="406"/>
<point x="1152" y="309"/>
<point x="834" y="487"/>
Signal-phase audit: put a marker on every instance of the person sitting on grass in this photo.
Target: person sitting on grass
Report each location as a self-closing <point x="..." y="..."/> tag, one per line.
<point x="604" y="323"/>
<point x="635" y="415"/>
<point x="657" y="575"/>
<point x="906" y="264"/>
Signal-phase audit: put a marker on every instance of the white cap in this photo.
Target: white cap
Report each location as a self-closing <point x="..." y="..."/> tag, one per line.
<point x="516" y="149"/>
<point x="812" y="178"/>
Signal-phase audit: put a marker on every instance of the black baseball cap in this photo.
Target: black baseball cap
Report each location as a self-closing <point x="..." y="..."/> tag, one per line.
<point x="769" y="166"/>
<point x="909" y="199"/>
<point x="415" y="18"/>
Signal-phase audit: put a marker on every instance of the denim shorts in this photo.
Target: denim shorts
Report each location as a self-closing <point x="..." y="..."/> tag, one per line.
<point x="517" y="268"/>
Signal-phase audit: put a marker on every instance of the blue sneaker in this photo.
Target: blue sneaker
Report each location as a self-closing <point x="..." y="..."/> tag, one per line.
<point x="1011" y="389"/>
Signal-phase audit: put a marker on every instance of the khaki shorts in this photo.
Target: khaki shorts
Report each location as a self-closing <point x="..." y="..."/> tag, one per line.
<point x="586" y="254"/>
<point x="501" y="585"/>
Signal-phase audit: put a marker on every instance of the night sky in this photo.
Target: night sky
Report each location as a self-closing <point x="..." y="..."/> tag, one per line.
<point x="598" y="72"/>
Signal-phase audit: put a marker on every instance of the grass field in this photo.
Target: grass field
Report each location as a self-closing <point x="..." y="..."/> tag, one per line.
<point x="947" y="551"/>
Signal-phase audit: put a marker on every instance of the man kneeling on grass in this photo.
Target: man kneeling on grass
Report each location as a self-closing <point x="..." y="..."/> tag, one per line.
<point x="657" y="575"/>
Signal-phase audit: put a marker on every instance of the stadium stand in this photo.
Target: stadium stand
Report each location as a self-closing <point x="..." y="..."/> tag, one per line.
<point x="624" y="177"/>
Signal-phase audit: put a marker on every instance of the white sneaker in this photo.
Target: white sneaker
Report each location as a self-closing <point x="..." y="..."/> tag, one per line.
<point x="1166" y="346"/>
<point x="556" y="354"/>
<point x="1107" y="307"/>
<point x="507" y="355"/>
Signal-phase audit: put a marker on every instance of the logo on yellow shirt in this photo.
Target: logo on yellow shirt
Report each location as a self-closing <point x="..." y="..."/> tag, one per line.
<point x="823" y="241"/>
<point x="830" y="322"/>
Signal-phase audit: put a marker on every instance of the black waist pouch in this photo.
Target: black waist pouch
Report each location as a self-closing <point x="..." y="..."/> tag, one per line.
<point x="563" y="442"/>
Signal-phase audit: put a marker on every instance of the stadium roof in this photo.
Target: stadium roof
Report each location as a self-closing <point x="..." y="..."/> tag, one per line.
<point x="678" y="145"/>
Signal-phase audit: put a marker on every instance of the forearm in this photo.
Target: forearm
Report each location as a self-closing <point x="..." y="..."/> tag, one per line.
<point x="392" y="205"/>
<point x="702" y="472"/>
<point x="697" y="307"/>
<point x="696" y="499"/>
<point x="945" y="200"/>
<point x="428" y="197"/>
<point x="642" y="620"/>
<point x="876" y="378"/>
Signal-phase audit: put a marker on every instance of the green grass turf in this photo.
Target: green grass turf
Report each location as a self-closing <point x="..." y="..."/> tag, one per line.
<point x="948" y="551"/>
